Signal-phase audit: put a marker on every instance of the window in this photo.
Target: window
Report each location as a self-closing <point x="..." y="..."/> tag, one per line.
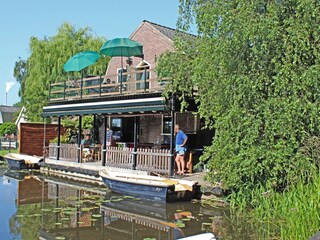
<point x="166" y="125"/>
<point x="142" y="73"/>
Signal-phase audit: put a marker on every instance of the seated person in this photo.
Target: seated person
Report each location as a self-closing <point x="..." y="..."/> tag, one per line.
<point x="86" y="143"/>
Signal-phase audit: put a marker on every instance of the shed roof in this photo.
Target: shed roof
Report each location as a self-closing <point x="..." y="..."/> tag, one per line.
<point x="7" y="113"/>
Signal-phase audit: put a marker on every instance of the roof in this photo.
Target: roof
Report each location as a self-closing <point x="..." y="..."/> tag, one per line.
<point x="167" y="31"/>
<point x="7" y="113"/>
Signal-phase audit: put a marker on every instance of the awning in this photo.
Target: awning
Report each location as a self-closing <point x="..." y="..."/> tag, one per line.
<point x="127" y="106"/>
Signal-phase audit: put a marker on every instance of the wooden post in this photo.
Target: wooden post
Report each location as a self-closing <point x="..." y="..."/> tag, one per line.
<point x="79" y="140"/>
<point x="171" y="163"/>
<point x="58" y="144"/>
<point x="104" y="150"/>
<point x="135" y="144"/>
<point x="49" y="92"/>
<point x="64" y="89"/>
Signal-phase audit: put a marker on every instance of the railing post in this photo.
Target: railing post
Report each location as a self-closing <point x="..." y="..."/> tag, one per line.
<point x="49" y="91"/>
<point x="79" y="140"/>
<point x="100" y="87"/>
<point x="64" y="90"/>
<point x="171" y="162"/>
<point x="81" y="88"/>
<point x="104" y="150"/>
<point x="58" y="144"/>
<point x="145" y="79"/>
<point x="135" y="144"/>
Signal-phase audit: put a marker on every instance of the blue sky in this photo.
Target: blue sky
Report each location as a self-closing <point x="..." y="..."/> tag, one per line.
<point x="20" y="19"/>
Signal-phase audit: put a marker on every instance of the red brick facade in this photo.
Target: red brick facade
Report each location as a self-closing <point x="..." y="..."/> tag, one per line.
<point x="154" y="44"/>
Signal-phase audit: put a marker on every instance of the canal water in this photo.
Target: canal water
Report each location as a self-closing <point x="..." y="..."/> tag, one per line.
<point x="35" y="206"/>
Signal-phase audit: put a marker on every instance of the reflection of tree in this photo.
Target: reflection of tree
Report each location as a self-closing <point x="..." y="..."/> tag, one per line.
<point x="27" y="224"/>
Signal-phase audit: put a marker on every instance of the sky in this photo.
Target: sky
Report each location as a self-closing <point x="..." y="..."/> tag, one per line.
<point x="20" y="20"/>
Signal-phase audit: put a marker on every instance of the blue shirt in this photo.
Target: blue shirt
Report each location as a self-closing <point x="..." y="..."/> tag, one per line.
<point x="180" y="137"/>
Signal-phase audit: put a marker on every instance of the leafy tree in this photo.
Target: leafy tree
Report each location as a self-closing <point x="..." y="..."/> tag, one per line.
<point x="20" y="74"/>
<point x="256" y="68"/>
<point x="8" y="128"/>
<point x="45" y="64"/>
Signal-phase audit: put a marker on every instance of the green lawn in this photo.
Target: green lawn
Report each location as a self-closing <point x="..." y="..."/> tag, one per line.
<point x="4" y="152"/>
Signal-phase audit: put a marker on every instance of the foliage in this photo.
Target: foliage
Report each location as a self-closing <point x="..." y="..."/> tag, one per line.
<point x="20" y="74"/>
<point x="71" y="125"/>
<point x="45" y="64"/>
<point x="63" y="139"/>
<point x="8" y="128"/>
<point x="256" y="68"/>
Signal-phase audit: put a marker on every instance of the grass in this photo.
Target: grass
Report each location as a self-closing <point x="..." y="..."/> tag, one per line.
<point x="4" y="152"/>
<point x="293" y="214"/>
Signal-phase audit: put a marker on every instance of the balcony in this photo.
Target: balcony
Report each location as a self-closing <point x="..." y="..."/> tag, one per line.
<point x="133" y="82"/>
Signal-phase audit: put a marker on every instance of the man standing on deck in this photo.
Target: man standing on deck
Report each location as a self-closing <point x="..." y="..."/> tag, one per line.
<point x="181" y="140"/>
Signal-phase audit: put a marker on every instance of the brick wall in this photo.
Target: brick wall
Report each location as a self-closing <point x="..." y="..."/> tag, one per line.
<point x="150" y="128"/>
<point x="154" y="44"/>
<point x="31" y="137"/>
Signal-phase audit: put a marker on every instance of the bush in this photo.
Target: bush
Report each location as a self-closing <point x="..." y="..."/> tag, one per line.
<point x="8" y="128"/>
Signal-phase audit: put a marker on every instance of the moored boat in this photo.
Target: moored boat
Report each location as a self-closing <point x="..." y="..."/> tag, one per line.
<point x="19" y="161"/>
<point x="202" y="236"/>
<point x="137" y="184"/>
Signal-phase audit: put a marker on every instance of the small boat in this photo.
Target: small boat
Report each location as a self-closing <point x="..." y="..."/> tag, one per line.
<point x="139" y="184"/>
<point x="19" y="161"/>
<point x="202" y="236"/>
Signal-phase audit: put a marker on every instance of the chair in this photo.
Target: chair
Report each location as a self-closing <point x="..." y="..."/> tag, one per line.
<point x="97" y="153"/>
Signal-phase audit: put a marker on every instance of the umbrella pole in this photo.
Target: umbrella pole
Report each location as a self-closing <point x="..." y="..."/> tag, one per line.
<point x="81" y="84"/>
<point x="121" y="72"/>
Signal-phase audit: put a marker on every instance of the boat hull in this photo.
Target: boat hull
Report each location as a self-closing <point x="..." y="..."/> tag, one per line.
<point x="19" y="164"/>
<point x="154" y="193"/>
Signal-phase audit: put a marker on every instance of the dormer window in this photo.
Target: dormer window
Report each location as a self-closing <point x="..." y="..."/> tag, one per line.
<point x="142" y="75"/>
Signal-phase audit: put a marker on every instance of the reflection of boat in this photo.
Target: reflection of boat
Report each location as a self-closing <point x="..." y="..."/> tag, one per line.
<point x="139" y="206"/>
<point x="150" y="187"/>
<point x="17" y="175"/>
<point x="23" y="161"/>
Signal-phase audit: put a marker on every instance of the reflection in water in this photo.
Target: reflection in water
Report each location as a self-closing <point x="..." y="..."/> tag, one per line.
<point x="53" y="208"/>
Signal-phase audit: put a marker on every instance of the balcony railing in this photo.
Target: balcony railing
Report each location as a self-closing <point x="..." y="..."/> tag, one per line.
<point x="133" y="82"/>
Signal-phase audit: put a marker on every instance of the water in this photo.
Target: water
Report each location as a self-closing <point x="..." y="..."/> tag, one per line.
<point x="35" y="206"/>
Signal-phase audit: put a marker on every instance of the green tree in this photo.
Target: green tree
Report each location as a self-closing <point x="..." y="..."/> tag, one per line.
<point x="45" y="64"/>
<point x="256" y="68"/>
<point x="8" y="128"/>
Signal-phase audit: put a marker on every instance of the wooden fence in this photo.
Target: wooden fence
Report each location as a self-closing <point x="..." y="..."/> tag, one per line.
<point x="68" y="152"/>
<point x="151" y="160"/>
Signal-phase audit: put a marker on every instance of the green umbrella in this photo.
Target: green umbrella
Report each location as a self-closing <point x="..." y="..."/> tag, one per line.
<point x="80" y="61"/>
<point x="122" y="47"/>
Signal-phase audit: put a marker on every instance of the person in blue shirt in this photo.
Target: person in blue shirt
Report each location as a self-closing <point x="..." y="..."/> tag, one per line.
<point x="181" y="140"/>
<point x="109" y="136"/>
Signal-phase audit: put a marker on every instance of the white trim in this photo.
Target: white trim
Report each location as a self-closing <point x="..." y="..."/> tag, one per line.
<point x="105" y="103"/>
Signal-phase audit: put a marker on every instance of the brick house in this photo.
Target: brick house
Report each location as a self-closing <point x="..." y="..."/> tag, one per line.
<point x="133" y="106"/>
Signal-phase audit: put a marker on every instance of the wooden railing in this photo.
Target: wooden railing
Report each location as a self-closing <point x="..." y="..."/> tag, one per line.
<point x="133" y="82"/>
<point x="151" y="160"/>
<point x="119" y="157"/>
<point x="68" y="152"/>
